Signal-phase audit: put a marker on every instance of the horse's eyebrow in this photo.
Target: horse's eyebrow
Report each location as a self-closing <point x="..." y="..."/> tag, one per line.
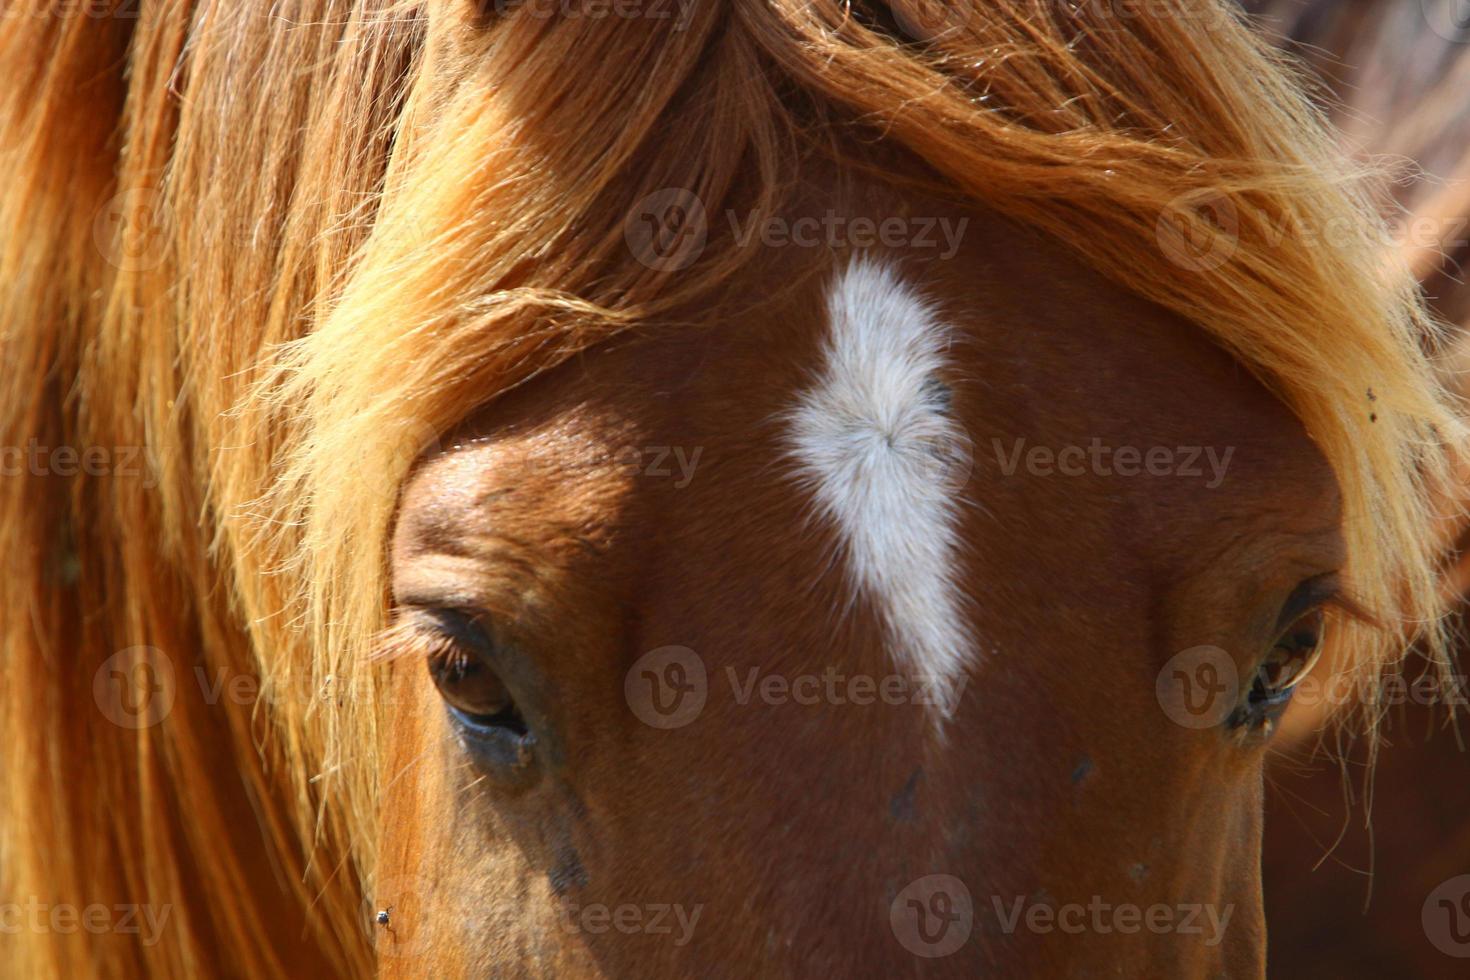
<point x="434" y="580"/>
<point x="449" y="596"/>
<point x="1320" y="590"/>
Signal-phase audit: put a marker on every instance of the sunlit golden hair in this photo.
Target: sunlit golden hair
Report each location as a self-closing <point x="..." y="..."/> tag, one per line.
<point x="283" y="246"/>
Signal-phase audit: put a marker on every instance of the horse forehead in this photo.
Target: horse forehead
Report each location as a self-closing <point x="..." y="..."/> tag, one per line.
<point x="854" y="395"/>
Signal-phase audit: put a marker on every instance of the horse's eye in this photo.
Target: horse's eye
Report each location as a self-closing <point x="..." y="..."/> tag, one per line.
<point x="470" y="687"/>
<point x="1290" y="660"/>
<point x="478" y="700"/>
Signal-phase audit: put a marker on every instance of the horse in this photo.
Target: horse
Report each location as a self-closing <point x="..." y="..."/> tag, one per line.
<point x="522" y="491"/>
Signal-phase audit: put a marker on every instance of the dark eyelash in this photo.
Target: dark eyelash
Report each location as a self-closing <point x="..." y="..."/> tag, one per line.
<point x="463" y="626"/>
<point x="433" y="634"/>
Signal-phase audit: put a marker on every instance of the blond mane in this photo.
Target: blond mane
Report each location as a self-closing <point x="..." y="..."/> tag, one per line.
<point x="281" y="252"/>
